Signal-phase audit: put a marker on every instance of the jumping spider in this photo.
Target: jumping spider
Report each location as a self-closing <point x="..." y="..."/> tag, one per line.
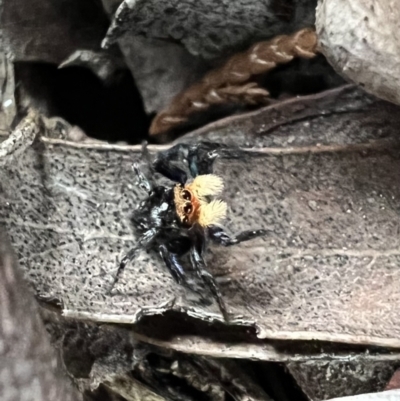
<point x="182" y="218"/>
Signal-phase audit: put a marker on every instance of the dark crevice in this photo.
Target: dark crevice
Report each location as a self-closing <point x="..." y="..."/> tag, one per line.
<point x="228" y="397"/>
<point x="111" y="111"/>
<point x="102" y="393"/>
<point x="300" y="77"/>
<point x="277" y="382"/>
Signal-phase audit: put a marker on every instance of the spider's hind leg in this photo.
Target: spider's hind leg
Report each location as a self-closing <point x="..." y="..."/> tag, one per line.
<point x="198" y="247"/>
<point x="219" y="236"/>
<point x="173" y="265"/>
<point x="176" y="269"/>
<point x="199" y="159"/>
<point x="200" y="266"/>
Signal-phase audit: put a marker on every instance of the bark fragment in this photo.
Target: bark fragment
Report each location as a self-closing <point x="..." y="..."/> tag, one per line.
<point x="28" y="363"/>
<point x="362" y="42"/>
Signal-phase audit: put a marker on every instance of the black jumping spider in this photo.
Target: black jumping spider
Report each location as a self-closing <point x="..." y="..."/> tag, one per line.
<point x="182" y="218"/>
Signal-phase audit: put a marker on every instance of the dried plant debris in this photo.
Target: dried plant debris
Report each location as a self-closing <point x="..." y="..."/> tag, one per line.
<point x="230" y="83"/>
<point x="174" y="331"/>
<point x="104" y="65"/>
<point x="290" y="124"/>
<point x="21" y="138"/>
<point x="102" y="355"/>
<point x="34" y="126"/>
<point x="364" y="47"/>
<point x="394" y="382"/>
<point x="48" y="31"/>
<point x="333" y="214"/>
<point x="28" y="363"/>
<point x="391" y="395"/>
<point x="322" y="380"/>
<point x="161" y="69"/>
<point x="8" y="108"/>
<point x="169" y="45"/>
<point x="208" y="28"/>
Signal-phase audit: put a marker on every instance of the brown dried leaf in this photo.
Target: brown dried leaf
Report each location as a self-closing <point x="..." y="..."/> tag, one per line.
<point x="331" y="199"/>
<point x="228" y="83"/>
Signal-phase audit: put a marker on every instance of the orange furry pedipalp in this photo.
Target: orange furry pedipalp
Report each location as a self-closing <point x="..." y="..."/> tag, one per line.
<point x="191" y="201"/>
<point x="212" y="213"/>
<point x="206" y="185"/>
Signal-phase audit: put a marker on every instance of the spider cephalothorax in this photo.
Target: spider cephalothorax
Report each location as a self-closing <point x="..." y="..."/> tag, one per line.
<point x="182" y="218"/>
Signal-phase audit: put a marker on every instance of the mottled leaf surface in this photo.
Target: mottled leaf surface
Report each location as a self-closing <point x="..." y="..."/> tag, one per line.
<point x="328" y="270"/>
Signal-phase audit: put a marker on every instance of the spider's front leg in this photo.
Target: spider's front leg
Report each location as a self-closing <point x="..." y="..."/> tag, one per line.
<point x="142" y="181"/>
<point x="219" y="236"/>
<point x="143" y="243"/>
<point x="146" y="177"/>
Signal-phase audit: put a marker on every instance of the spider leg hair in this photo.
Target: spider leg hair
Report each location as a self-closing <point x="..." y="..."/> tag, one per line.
<point x="219" y="236"/>
<point x="144" y="242"/>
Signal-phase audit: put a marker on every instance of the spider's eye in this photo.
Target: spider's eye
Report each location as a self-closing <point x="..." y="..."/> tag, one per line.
<point x="186" y="195"/>
<point x="185" y="220"/>
<point x="188" y="208"/>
